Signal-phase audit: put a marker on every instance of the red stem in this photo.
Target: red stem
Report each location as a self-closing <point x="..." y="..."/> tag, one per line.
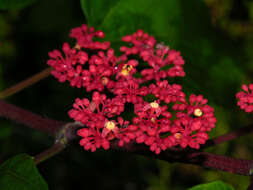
<point x="29" y="119"/>
<point x="25" y="83"/>
<point x="204" y="159"/>
<point x="229" y="136"/>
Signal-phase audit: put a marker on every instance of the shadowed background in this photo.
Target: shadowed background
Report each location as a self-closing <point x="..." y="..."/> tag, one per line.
<point x="215" y="39"/>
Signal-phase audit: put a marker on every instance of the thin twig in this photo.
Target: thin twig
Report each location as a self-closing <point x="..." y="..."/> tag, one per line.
<point x="29" y="119"/>
<point x="66" y="134"/>
<point x="229" y="136"/>
<point x="195" y="157"/>
<point x="55" y="149"/>
<point x="251" y="184"/>
<point x="25" y="83"/>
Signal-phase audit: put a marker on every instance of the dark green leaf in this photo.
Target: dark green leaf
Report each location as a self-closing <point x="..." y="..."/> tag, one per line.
<point x="95" y="11"/>
<point x="216" y="185"/>
<point x="20" y="173"/>
<point x="15" y="4"/>
<point x="183" y="25"/>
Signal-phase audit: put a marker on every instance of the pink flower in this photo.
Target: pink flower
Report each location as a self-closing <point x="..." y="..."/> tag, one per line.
<point x="130" y="89"/>
<point x="187" y="132"/>
<point x="168" y="93"/>
<point x="69" y="66"/>
<point x="99" y="129"/>
<point x="101" y="69"/>
<point x="133" y="78"/>
<point x="153" y="122"/>
<point x="84" y="37"/>
<point x="163" y="61"/>
<point x="245" y="98"/>
<point x="198" y="111"/>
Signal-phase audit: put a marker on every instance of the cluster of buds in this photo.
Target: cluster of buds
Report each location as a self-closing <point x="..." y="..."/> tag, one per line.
<point x="245" y="98"/>
<point x="132" y="100"/>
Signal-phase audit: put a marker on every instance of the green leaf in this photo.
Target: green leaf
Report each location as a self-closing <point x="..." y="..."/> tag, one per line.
<point x="184" y="26"/>
<point x="15" y="4"/>
<point x="20" y="173"/>
<point x="95" y="11"/>
<point x="216" y="185"/>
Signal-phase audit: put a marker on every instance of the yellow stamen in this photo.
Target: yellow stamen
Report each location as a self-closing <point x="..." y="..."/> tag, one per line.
<point x="154" y="105"/>
<point x="77" y="46"/>
<point x="110" y="125"/>
<point x="153" y="119"/>
<point x="126" y="69"/>
<point x="124" y="72"/>
<point x="198" y="112"/>
<point x="178" y="135"/>
<point x="104" y="80"/>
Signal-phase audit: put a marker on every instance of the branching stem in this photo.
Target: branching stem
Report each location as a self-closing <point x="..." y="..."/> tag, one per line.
<point x="65" y="133"/>
<point x="25" y="83"/>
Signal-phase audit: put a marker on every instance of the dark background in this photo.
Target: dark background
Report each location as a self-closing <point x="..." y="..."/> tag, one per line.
<point x="218" y="54"/>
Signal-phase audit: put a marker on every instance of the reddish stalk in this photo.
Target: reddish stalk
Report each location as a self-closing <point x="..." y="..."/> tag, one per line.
<point x="229" y="136"/>
<point x="66" y="134"/>
<point x="55" y="149"/>
<point x="29" y="119"/>
<point x="25" y="83"/>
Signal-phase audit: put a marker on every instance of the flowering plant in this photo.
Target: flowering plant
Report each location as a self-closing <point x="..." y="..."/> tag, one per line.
<point x="168" y="120"/>
<point x="138" y="94"/>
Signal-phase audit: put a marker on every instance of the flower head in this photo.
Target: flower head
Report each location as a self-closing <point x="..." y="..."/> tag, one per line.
<point x="162" y="116"/>
<point x="245" y="98"/>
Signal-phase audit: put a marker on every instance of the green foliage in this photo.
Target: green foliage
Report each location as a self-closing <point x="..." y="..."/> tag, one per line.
<point x="20" y="173"/>
<point x="92" y="8"/>
<point x="15" y="4"/>
<point x="217" y="185"/>
<point x="207" y="53"/>
<point x="214" y="61"/>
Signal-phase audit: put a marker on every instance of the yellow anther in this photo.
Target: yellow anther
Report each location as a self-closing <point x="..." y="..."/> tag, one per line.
<point x="110" y="125"/>
<point x="153" y="119"/>
<point x="124" y="72"/>
<point x="178" y="135"/>
<point x="126" y="69"/>
<point x="104" y="80"/>
<point x="198" y="112"/>
<point x="77" y="46"/>
<point x="154" y="105"/>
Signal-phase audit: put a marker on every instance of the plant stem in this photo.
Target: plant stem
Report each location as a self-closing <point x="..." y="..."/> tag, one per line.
<point x="251" y="184"/>
<point x="229" y="136"/>
<point x="195" y="157"/>
<point x="25" y="83"/>
<point x="52" y="151"/>
<point x="30" y="119"/>
<point x="65" y="133"/>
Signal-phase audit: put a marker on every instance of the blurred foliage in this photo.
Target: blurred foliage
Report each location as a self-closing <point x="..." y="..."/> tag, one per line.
<point x="20" y="173"/>
<point x="215" y="38"/>
<point x="217" y="185"/>
<point x="15" y="4"/>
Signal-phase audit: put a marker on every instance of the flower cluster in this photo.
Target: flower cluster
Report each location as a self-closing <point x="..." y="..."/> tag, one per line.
<point x="132" y="99"/>
<point x="245" y="98"/>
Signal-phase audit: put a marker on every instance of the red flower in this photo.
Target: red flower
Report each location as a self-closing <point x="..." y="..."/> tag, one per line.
<point x="153" y="121"/>
<point x="68" y="67"/>
<point x="101" y="69"/>
<point x="129" y="88"/>
<point x="166" y="92"/>
<point x="99" y="130"/>
<point x="245" y="98"/>
<point x="133" y="77"/>
<point x="139" y="40"/>
<point x="84" y="37"/>
<point x="164" y="63"/>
